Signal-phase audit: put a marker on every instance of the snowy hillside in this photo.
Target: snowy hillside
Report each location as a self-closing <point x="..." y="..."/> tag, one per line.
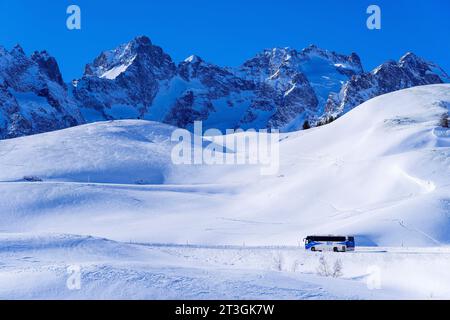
<point x="374" y="173"/>
<point x="380" y="172"/>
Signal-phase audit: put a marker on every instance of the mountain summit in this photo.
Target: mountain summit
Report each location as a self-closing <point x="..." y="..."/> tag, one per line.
<point x="278" y="88"/>
<point x="33" y="96"/>
<point x="409" y="71"/>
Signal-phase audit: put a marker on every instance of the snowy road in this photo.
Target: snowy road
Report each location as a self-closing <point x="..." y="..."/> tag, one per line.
<point x="35" y="267"/>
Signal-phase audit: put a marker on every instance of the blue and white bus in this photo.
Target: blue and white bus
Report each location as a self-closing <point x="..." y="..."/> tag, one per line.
<point x="330" y="243"/>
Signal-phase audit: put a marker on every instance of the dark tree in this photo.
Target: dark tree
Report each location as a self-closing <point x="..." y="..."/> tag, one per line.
<point x="306" y="125"/>
<point x="444" y="120"/>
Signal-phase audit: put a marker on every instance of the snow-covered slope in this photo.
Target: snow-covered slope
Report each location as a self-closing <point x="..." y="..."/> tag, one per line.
<point x="106" y="152"/>
<point x="380" y="172"/>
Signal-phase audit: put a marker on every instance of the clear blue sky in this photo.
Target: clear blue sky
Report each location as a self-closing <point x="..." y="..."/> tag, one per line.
<point x="227" y="32"/>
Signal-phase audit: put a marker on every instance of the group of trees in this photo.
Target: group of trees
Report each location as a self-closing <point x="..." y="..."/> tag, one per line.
<point x="321" y="122"/>
<point x="444" y="122"/>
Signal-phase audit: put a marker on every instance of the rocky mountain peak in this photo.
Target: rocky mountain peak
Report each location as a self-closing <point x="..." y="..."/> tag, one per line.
<point x="269" y="60"/>
<point x="348" y="64"/>
<point x="48" y="66"/>
<point x="409" y="71"/>
<point x="194" y="59"/>
<point x="142" y="41"/>
<point x="354" y="58"/>
<point x="139" y="52"/>
<point x="410" y="57"/>
<point x="18" y="50"/>
<point x="33" y="96"/>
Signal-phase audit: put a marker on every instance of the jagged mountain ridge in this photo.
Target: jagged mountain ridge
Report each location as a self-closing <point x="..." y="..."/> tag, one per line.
<point x="33" y="96"/>
<point x="278" y="88"/>
<point x="409" y="71"/>
<point x="270" y="90"/>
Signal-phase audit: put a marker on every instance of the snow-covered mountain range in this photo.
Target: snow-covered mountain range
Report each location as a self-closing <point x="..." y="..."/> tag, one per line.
<point x="278" y="88"/>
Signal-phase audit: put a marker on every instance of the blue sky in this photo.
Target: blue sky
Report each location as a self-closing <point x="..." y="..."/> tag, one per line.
<point x="227" y="32"/>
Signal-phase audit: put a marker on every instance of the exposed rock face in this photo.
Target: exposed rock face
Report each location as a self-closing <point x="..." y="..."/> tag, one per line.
<point x="408" y="72"/>
<point x="269" y="91"/>
<point x="33" y="96"/>
<point x="282" y="91"/>
<point x="128" y="76"/>
<point x="210" y="91"/>
<point x="296" y="84"/>
<point x="278" y="88"/>
<point x="48" y="66"/>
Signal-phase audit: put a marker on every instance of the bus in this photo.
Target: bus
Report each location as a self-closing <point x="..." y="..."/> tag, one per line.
<point x="330" y="243"/>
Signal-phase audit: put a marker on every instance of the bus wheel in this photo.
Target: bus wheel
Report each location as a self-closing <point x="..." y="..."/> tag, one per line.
<point x="335" y="249"/>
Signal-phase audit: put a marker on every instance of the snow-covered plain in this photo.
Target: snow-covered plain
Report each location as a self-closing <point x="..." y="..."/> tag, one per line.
<point x="381" y="172"/>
